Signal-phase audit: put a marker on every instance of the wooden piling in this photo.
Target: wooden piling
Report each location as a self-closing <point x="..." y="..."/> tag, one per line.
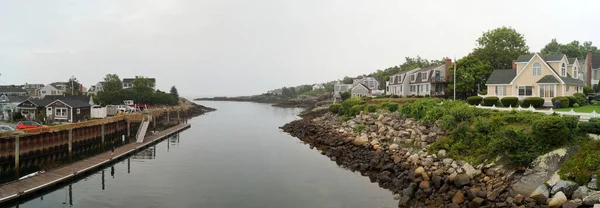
<point x="102" y="135"/>
<point x="17" y="156"/>
<point x="70" y="145"/>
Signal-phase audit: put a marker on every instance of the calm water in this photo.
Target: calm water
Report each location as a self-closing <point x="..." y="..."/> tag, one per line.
<point x="234" y="157"/>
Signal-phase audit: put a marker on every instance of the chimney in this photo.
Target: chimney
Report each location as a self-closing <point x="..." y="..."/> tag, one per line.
<point x="588" y="66"/>
<point x="448" y="64"/>
<point x="514" y="65"/>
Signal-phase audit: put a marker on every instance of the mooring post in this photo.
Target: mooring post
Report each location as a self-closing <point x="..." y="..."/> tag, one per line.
<point x="154" y="122"/>
<point x="178" y="120"/>
<point x="169" y="116"/>
<point x="128" y="128"/>
<point x="17" y="167"/>
<point x="102" y="135"/>
<point x="70" y="145"/>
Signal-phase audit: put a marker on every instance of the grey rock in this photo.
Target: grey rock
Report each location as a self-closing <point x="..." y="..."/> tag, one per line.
<point x="403" y="201"/>
<point x="447" y="161"/>
<point x="470" y="171"/>
<point x="437" y="181"/>
<point x="593" y="184"/>
<point x="580" y="193"/>
<point x="461" y="180"/>
<point x="566" y="187"/>
<point x="442" y="154"/>
<point x="593" y="198"/>
<point x="572" y="204"/>
<point x="540" y="194"/>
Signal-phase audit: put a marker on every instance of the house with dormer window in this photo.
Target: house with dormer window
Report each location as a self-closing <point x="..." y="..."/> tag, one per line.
<point x="536" y="75"/>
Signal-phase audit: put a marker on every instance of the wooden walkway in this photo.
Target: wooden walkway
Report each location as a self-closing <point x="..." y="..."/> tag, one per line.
<point x="17" y="189"/>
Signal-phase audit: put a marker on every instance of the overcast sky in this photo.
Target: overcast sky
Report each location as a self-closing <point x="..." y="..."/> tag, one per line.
<point x="243" y="47"/>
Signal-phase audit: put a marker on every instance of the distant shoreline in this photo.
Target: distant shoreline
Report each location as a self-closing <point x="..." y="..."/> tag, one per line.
<point x="275" y="100"/>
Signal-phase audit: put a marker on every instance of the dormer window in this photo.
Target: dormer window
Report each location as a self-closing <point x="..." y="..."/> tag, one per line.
<point x="537" y="69"/>
<point x="423" y="76"/>
<point x="412" y="78"/>
<point x="563" y="70"/>
<point x="575" y="73"/>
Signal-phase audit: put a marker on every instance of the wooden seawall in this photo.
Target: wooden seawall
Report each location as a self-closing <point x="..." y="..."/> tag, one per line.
<point x="22" y="188"/>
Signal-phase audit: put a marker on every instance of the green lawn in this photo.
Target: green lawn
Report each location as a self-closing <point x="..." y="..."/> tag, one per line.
<point x="584" y="109"/>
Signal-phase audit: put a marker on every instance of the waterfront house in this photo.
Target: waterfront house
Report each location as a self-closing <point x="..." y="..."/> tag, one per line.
<point x="431" y="81"/>
<point x="30" y="108"/>
<point x="339" y="88"/>
<point x="318" y="87"/>
<point x="16" y="90"/>
<point x="537" y="75"/>
<point x="128" y="82"/>
<point x="364" y="86"/>
<point x="68" y="110"/>
<point x="32" y="89"/>
<point x="9" y="104"/>
<point x="51" y="89"/>
<point x="399" y="85"/>
<point x="361" y="90"/>
<point x="84" y="98"/>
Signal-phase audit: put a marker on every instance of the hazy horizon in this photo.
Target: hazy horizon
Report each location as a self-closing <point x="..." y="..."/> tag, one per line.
<point x="234" y="47"/>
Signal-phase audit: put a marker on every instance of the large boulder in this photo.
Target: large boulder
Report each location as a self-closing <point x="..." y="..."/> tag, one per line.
<point x="581" y="192"/>
<point x="442" y="154"/>
<point x="461" y="180"/>
<point x="558" y="200"/>
<point x="566" y="187"/>
<point x="540" y="194"/>
<point x="593" y="198"/>
<point x="593" y="184"/>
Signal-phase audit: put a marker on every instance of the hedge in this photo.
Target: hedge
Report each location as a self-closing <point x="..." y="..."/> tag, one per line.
<point x="489" y="101"/>
<point x="536" y="102"/>
<point x="564" y="102"/>
<point x="335" y="108"/>
<point x="551" y="130"/>
<point x="474" y="100"/>
<point x="580" y="98"/>
<point x="572" y="100"/>
<point x="371" y="108"/>
<point x="510" y="101"/>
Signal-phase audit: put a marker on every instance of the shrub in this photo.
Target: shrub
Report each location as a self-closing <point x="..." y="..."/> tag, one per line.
<point x="359" y="128"/>
<point x="392" y="107"/>
<point x="536" y="102"/>
<point x="564" y="102"/>
<point x="349" y="103"/>
<point x="17" y="116"/>
<point x="580" y="98"/>
<point x="335" y="108"/>
<point x="489" y="101"/>
<point x="583" y="164"/>
<point x="483" y="92"/>
<point x="551" y="130"/>
<point x="371" y="108"/>
<point x="345" y="95"/>
<point x="572" y="100"/>
<point x="518" y="145"/>
<point x="588" y="90"/>
<point x="576" y="105"/>
<point x="509" y="101"/>
<point x="592" y="126"/>
<point x="474" y="100"/>
<point x="367" y="98"/>
<point x="355" y="110"/>
<point x="394" y="96"/>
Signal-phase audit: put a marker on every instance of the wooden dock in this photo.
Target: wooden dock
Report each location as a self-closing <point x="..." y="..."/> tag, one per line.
<point x="21" y="188"/>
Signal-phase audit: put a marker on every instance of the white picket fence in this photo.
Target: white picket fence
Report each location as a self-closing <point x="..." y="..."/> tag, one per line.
<point x="582" y="116"/>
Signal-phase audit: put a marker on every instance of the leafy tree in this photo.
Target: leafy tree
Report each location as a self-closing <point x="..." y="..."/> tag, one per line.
<point x="588" y="90"/>
<point x="73" y="87"/>
<point x="572" y="49"/>
<point x="329" y="86"/>
<point x="499" y="47"/>
<point x="142" y="84"/>
<point x="471" y="74"/>
<point x="112" y="83"/>
<point x="345" y="95"/>
<point x="174" y="92"/>
<point x="347" y="80"/>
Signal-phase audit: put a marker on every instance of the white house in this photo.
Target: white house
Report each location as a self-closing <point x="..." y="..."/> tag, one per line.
<point x="318" y="87"/>
<point x="399" y="85"/>
<point x="339" y="88"/>
<point x="50" y="89"/>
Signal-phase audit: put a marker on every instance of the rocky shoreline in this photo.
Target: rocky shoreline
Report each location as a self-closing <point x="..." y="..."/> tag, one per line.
<point x="276" y="101"/>
<point x="392" y="151"/>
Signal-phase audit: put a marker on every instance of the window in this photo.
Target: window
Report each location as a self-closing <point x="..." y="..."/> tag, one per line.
<point x="412" y="88"/>
<point x="568" y="88"/>
<point x="547" y="90"/>
<point x="563" y="70"/>
<point x="423" y="76"/>
<point x="575" y="74"/>
<point x="78" y="110"/>
<point x="525" y="90"/>
<point x="44" y="92"/>
<point x="60" y="112"/>
<point x="412" y="78"/>
<point x="425" y="88"/>
<point x="500" y="90"/>
<point x="537" y="69"/>
<point x="400" y="88"/>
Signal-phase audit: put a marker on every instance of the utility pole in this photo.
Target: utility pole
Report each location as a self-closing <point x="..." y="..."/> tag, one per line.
<point x="454" y="78"/>
<point x="72" y="85"/>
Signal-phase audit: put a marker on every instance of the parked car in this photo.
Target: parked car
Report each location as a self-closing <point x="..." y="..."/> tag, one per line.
<point x="6" y="128"/>
<point x="30" y="125"/>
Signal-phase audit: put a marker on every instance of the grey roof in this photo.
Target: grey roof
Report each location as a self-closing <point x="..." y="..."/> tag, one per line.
<point x="40" y="102"/>
<point x="131" y="79"/>
<point x="75" y="103"/>
<point x="502" y="76"/>
<point x="572" y="81"/>
<point x="12" y="89"/>
<point x="397" y="81"/>
<point x="572" y="60"/>
<point x="84" y="98"/>
<point x="548" y="79"/>
<point x="17" y="98"/>
<point x="548" y="57"/>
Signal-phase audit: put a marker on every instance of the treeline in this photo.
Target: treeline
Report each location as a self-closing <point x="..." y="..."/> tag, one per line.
<point x="142" y="92"/>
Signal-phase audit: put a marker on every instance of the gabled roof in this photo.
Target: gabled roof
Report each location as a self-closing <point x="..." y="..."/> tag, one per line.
<point x="548" y="79"/>
<point x="38" y="102"/>
<point x="84" y="98"/>
<point x="572" y="60"/>
<point x="12" y="89"/>
<point x="501" y="76"/>
<point x="72" y="103"/>
<point x="396" y="81"/>
<point x="361" y="84"/>
<point x="548" y="57"/>
<point x="58" y="84"/>
<point x="572" y="81"/>
<point x="15" y="99"/>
